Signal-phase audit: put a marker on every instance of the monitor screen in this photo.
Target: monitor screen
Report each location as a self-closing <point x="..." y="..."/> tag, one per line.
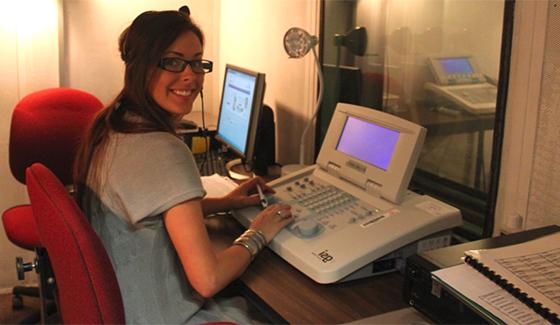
<point x="456" y="66"/>
<point x="240" y="107"/>
<point x="377" y="150"/>
<point x="372" y="149"/>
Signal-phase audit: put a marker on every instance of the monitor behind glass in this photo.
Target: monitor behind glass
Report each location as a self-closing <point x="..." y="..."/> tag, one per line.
<point x="460" y="65"/>
<point x="240" y="107"/>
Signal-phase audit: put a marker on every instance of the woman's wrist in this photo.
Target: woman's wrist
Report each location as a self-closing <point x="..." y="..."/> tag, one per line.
<point x="231" y="203"/>
<point x="253" y="240"/>
<point x="234" y="202"/>
<point x="217" y="204"/>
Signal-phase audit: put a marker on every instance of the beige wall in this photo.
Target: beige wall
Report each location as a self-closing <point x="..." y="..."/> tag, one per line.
<point x="28" y="61"/>
<point x="251" y="35"/>
<point x="91" y="59"/>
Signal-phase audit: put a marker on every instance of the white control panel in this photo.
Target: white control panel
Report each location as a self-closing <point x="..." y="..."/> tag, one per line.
<point x="319" y="207"/>
<point x="473" y="98"/>
<point x="339" y="229"/>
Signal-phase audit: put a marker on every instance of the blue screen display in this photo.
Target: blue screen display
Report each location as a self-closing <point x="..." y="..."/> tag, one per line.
<point x="235" y="112"/>
<point x="368" y="142"/>
<point x="456" y="66"/>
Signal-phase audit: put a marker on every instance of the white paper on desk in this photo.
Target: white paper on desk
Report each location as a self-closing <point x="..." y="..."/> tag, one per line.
<point x="217" y="185"/>
<point x="486" y="296"/>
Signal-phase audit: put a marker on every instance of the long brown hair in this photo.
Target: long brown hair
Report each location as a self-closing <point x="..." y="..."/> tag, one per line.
<point x="141" y="45"/>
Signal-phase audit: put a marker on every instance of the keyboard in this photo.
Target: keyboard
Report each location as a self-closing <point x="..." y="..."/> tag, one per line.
<point x="477" y="95"/>
<point x="210" y="162"/>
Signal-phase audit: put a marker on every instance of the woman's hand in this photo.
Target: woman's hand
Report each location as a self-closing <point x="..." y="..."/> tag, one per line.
<point x="272" y="219"/>
<point x="240" y="197"/>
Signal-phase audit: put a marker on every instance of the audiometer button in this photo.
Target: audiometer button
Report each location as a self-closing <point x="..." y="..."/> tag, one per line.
<point x="308" y="228"/>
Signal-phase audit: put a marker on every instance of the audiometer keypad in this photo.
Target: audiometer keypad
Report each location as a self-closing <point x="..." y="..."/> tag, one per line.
<point x="319" y="207"/>
<point x="476" y="95"/>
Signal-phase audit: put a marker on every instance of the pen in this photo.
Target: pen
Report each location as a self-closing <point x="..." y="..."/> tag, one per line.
<point x="264" y="201"/>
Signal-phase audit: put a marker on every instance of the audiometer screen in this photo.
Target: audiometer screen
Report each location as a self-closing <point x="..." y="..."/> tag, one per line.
<point x="368" y="142"/>
<point x="235" y="112"/>
<point x="456" y="66"/>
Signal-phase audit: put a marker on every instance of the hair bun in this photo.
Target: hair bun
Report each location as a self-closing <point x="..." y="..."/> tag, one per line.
<point x="185" y="10"/>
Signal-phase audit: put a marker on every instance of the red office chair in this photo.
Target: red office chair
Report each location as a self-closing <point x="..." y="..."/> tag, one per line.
<point x="86" y="287"/>
<point x="83" y="280"/>
<point x="46" y="127"/>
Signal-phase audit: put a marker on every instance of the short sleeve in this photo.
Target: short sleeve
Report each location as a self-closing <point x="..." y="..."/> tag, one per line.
<point x="148" y="174"/>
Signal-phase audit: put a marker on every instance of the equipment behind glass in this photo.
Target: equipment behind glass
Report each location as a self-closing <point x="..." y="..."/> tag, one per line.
<point x="460" y="84"/>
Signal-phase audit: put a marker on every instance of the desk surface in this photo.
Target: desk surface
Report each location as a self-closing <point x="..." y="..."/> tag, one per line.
<point x="298" y="299"/>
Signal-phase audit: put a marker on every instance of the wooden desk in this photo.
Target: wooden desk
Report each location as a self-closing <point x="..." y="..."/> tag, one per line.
<point x="290" y="296"/>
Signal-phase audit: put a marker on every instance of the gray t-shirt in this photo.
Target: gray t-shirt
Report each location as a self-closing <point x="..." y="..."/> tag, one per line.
<point x="142" y="176"/>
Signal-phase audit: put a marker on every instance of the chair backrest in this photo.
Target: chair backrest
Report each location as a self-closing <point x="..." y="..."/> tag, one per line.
<point x="47" y="127"/>
<point x="86" y="284"/>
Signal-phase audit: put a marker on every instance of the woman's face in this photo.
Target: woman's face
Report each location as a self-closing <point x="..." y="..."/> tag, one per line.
<point x="175" y="92"/>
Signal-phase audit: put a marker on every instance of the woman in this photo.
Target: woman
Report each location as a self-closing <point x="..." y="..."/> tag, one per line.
<point x="139" y="185"/>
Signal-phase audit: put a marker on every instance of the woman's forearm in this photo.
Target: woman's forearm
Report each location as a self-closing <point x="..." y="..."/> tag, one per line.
<point x="215" y="204"/>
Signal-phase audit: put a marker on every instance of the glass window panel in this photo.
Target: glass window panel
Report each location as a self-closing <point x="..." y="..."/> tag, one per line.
<point x="434" y="62"/>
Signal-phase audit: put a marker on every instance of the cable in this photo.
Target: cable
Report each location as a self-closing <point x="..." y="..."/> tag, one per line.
<point x="204" y="133"/>
<point x="202" y="108"/>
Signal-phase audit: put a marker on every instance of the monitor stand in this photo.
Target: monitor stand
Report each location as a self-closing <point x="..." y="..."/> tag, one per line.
<point x="236" y="170"/>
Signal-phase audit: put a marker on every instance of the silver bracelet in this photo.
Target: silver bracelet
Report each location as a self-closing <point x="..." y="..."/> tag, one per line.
<point x="256" y="235"/>
<point x="253" y="239"/>
<point x="250" y="246"/>
<point x="262" y="237"/>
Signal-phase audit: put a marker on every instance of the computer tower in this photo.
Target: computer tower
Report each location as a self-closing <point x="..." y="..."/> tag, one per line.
<point x="265" y="147"/>
<point x="433" y="300"/>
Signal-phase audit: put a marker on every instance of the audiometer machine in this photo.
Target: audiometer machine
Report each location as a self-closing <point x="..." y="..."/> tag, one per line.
<point x="354" y="214"/>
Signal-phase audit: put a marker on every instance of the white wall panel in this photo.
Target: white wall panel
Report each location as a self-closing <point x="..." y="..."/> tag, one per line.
<point x="522" y="115"/>
<point x="29" y="62"/>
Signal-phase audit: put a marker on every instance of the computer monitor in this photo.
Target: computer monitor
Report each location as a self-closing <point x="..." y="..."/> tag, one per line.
<point x="374" y="150"/>
<point x="240" y="111"/>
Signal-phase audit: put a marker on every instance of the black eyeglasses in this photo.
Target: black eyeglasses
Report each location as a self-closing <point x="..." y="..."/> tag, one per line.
<point x="179" y="65"/>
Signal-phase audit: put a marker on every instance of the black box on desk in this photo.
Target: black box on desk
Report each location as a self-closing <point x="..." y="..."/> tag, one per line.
<point x="441" y="306"/>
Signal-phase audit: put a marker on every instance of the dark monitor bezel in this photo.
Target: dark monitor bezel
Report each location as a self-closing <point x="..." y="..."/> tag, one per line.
<point x="256" y="108"/>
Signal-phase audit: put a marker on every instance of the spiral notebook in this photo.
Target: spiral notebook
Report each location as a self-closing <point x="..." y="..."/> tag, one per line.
<point x="519" y="283"/>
